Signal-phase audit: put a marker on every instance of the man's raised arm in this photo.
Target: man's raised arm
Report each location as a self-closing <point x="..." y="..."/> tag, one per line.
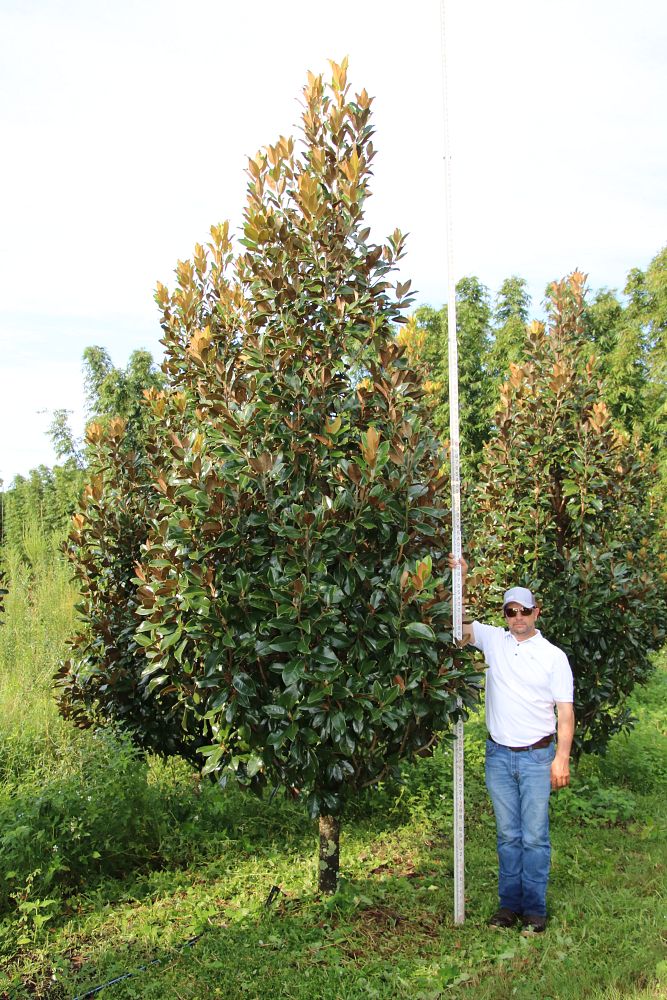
<point x="468" y="635"/>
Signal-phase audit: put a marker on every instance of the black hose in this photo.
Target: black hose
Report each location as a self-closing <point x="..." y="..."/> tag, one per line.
<point x="131" y="975"/>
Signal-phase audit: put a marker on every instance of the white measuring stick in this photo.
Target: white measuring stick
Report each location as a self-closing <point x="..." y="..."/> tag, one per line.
<point x="457" y="583"/>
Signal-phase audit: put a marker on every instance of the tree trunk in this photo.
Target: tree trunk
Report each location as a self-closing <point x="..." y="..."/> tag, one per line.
<point x="329" y="853"/>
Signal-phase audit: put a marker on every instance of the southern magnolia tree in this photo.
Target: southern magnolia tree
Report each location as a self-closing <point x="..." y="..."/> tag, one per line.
<point x="564" y="507"/>
<point x="292" y="584"/>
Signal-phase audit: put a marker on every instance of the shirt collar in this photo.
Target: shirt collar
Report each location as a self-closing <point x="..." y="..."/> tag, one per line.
<point x="538" y="635"/>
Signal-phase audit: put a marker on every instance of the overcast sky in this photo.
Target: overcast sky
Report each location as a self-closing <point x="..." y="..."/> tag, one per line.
<point x="126" y="126"/>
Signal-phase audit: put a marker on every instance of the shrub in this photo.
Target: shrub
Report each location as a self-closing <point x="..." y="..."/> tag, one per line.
<point x="100" y="817"/>
<point x="593" y="803"/>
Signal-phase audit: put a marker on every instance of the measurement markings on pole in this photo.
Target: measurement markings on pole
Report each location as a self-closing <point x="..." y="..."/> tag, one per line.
<point x="457" y="583"/>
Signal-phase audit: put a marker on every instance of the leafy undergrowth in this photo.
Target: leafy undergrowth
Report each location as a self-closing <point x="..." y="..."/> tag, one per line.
<point x="200" y="893"/>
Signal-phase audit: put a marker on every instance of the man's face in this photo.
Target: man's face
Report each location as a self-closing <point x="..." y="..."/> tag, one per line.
<point x="521" y="626"/>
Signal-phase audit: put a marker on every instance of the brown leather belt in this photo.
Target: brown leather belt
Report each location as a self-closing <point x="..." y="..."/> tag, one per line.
<point x="544" y="742"/>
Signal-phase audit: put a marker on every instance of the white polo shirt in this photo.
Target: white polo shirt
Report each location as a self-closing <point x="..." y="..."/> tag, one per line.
<point x="523" y="683"/>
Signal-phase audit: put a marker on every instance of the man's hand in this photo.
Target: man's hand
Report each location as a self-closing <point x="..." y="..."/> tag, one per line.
<point x="560" y="767"/>
<point x="467" y="627"/>
<point x="454" y="562"/>
<point x="560" y="772"/>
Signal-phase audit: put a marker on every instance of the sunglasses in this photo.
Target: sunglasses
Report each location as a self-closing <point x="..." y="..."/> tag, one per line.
<point x="513" y="612"/>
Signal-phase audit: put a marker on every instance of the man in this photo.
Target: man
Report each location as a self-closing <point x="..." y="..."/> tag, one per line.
<point x="527" y="678"/>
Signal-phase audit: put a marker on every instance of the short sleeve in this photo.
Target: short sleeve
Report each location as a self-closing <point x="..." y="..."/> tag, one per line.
<point x="483" y="635"/>
<point x="562" y="681"/>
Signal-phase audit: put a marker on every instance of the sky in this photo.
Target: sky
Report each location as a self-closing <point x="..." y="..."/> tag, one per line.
<point x="126" y="127"/>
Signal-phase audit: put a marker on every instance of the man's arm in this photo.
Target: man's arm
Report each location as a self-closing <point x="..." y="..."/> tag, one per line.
<point x="468" y="635"/>
<point x="560" y="768"/>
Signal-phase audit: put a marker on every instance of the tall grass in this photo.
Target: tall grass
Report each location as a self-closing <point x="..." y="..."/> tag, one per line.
<point x="39" y="616"/>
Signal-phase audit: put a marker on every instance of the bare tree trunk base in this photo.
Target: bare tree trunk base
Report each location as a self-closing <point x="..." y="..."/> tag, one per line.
<point x="329" y="853"/>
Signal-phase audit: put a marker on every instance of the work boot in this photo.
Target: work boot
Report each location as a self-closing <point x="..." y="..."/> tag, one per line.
<point x="534" y="922"/>
<point x="503" y="918"/>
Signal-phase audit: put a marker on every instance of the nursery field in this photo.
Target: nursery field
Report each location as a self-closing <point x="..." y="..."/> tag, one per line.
<point x="111" y="864"/>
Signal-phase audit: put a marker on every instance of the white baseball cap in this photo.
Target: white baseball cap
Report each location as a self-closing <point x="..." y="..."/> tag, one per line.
<point x="521" y="595"/>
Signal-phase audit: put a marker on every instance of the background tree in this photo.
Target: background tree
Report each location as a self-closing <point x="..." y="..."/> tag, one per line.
<point x="39" y="504"/>
<point x="564" y="506"/>
<point x="425" y="339"/>
<point x="65" y="444"/>
<point x="510" y="317"/>
<point x="618" y="343"/>
<point x="118" y="392"/>
<point x="292" y="583"/>
<point x="630" y="340"/>
<point x="110" y="393"/>
<point x="647" y="313"/>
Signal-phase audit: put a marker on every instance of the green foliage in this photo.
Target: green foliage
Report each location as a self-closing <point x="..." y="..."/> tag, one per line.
<point x="38" y="616"/>
<point x="647" y="313"/>
<point x="620" y="346"/>
<point x="59" y="831"/>
<point x="118" y="392"/>
<point x="291" y="583"/>
<point x="191" y="859"/>
<point x="388" y="929"/>
<point x="426" y="341"/>
<point x="630" y="340"/>
<point x="62" y="437"/>
<point x="103" y="680"/>
<point x="594" y="802"/>
<point x="43" y="502"/>
<point x="563" y="506"/>
<point x="509" y="332"/>
<point x="92" y="795"/>
<point x="638" y="760"/>
<point x="111" y="393"/>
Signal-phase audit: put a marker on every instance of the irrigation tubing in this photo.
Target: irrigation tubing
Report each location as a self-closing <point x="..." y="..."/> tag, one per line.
<point x="274" y="891"/>
<point x="131" y="975"/>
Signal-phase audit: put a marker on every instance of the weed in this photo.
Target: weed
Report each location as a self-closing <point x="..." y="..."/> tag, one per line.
<point x="593" y="802"/>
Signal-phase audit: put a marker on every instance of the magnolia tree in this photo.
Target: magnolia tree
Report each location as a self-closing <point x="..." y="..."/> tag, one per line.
<point x="293" y="610"/>
<point x="563" y="506"/>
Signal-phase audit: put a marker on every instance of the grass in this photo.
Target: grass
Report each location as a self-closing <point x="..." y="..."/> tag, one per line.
<point x="148" y="859"/>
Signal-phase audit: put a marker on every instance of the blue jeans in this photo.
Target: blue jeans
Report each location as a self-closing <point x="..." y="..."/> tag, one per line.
<point x="519" y="784"/>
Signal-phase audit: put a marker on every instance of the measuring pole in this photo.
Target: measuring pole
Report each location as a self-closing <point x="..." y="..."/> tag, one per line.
<point x="454" y="457"/>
